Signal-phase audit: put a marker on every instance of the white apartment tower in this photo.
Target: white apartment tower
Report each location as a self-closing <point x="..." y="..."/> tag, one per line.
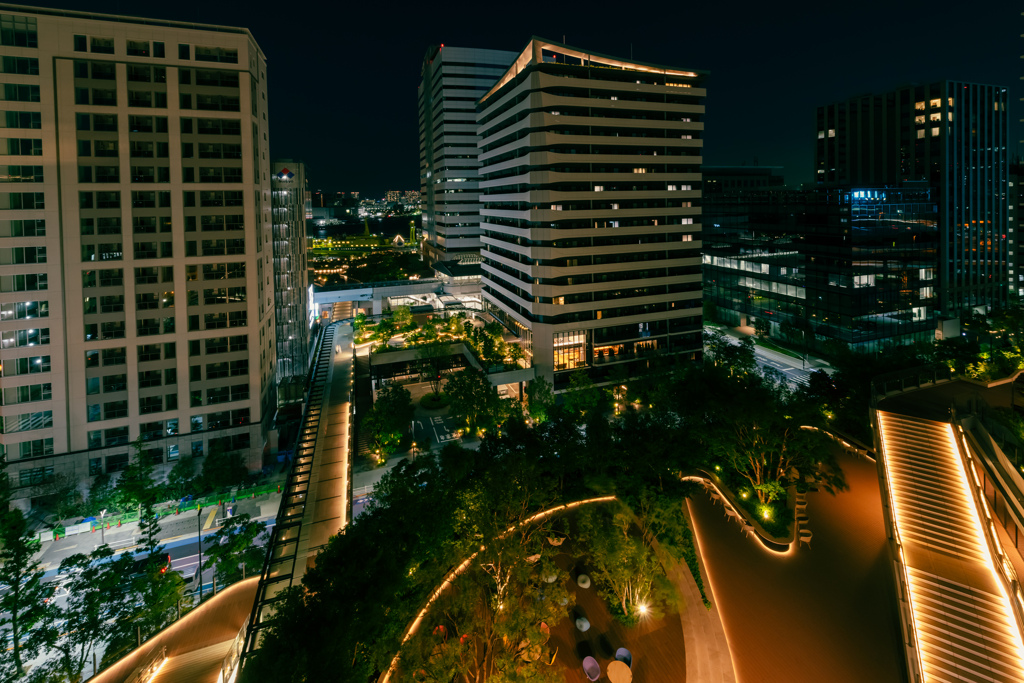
<point x="136" y="290"/>
<point x="453" y="79"/>
<point x="590" y="192"/>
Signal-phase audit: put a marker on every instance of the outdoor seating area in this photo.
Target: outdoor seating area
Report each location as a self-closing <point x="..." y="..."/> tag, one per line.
<point x="593" y="646"/>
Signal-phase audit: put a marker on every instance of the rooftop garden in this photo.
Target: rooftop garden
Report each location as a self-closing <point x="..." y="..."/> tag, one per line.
<point x="433" y="514"/>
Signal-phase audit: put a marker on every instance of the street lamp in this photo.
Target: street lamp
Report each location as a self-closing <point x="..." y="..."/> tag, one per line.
<point x="102" y="514"/>
<point x="413" y="450"/>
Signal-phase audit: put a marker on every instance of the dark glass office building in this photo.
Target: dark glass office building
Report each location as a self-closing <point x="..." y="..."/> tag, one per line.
<point x="952" y="136"/>
<point x="853" y="265"/>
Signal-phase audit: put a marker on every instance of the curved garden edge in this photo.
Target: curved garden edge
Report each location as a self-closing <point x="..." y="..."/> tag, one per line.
<point x="775" y="544"/>
<point x="414" y="625"/>
<point x="708" y="655"/>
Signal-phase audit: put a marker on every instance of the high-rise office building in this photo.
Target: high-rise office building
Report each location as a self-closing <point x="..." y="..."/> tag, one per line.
<point x="135" y="191"/>
<point x="453" y="79"/>
<point x="290" y="198"/>
<point x="850" y="265"/>
<point x="948" y="135"/>
<point x="590" y="183"/>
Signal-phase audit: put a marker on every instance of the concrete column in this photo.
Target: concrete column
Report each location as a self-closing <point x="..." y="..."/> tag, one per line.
<point x="378" y="306"/>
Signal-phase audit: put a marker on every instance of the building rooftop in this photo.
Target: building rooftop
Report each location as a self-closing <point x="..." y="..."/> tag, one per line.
<point x="525" y="59"/>
<point x="124" y="19"/>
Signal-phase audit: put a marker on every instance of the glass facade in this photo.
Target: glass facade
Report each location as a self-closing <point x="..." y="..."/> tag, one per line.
<point x="853" y="265"/>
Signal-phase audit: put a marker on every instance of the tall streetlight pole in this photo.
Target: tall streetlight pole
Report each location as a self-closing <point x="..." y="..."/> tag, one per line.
<point x="199" y="534"/>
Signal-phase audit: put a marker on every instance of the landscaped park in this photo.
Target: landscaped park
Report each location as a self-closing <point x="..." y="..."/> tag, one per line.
<point x="666" y="538"/>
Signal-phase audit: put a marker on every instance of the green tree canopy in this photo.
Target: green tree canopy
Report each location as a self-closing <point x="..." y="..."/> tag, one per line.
<point x="435" y="361"/>
<point x="473" y="399"/>
<point x="235" y="552"/>
<point x="390" y="416"/>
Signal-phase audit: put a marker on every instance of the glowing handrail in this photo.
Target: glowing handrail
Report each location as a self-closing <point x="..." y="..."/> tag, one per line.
<point x="911" y="616"/>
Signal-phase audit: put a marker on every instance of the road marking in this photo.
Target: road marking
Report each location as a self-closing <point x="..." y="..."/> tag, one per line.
<point x="209" y="520"/>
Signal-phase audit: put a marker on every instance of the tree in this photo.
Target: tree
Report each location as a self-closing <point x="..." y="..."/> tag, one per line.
<point x="582" y="397"/>
<point x="761" y="434"/>
<point x="435" y="360"/>
<point x="540" y="397"/>
<point x="26" y="615"/>
<point x="392" y="411"/>
<point x="737" y="358"/>
<point x="102" y="494"/>
<point x="235" y="552"/>
<point x="135" y="487"/>
<point x="401" y="317"/>
<point x="473" y="399"/>
<point x="515" y="353"/>
<point x="180" y="478"/>
<point x="763" y="327"/>
<point x="97" y="594"/>
<point x="222" y="468"/>
<point x="61" y="494"/>
<point x="624" y="568"/>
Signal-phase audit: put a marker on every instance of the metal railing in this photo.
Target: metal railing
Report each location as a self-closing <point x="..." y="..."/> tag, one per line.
<point x="282" y="548"/>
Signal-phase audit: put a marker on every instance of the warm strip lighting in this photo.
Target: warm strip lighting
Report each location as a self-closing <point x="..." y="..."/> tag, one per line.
<point x="899" y="541"/>
<point x="971" y="511"/>
<point x="790" y="549"/>
<point x="454" y="574"/>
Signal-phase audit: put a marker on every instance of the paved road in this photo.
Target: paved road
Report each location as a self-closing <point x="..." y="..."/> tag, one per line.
<point x="795" y="370"/>
<point x="824" y="614"/>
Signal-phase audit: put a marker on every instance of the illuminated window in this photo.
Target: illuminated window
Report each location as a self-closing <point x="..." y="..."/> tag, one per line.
<point x="639" y="170"/>
<point x="950" y="116"/>
<point x="920" y="134"/>
<point x="569" y="349"/>
<point x="615" y="207"/>
<point x="951" y="101"/>
<point x="556" y="207"/>
<point x="821" y="135"/>
<point x="919" y="106"/>
<point x="598" y="188"/>
<point x="935" y="132"/>
<point x="935" y="116"/>
<point x="936" y="103"/>
<point x="831" y="132"/>
<point x="919" y="119"/>
<point x="927" y="292"/>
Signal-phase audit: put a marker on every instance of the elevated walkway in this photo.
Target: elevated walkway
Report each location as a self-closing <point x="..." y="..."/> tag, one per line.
<point x="317" y="496"/>
<point x="955" y="587"/>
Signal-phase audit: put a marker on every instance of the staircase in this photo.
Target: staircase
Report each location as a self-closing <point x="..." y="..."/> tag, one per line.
<point x="963" y="624"/>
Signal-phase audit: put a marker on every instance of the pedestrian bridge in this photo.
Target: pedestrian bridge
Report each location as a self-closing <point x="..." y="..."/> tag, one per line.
<point x="961" y="606"/>
<point x="375" y="292"/>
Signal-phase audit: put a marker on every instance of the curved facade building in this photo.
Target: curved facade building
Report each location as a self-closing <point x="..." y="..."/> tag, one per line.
<point x="590" y="188"/>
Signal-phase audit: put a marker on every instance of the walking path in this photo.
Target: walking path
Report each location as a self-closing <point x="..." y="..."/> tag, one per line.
<point x="824" y="614"/>
<point x="209" y="629"/>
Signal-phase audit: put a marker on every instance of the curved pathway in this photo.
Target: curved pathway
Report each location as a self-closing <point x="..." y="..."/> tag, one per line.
<point x="825" y="614"/>
<point x="208" y="630"/>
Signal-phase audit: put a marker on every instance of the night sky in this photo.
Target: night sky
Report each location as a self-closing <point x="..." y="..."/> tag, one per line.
<point x="343" y="75"/>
